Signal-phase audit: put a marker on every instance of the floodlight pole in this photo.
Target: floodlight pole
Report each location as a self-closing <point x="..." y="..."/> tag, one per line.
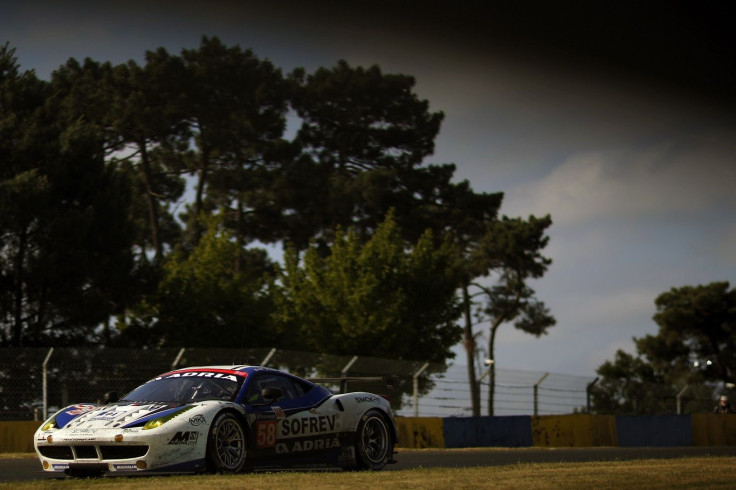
<point x="536" y="393"/>
<point x="268" y="357"/>
<point x="178" y="358"/>
<point x="415" y="382"/>
<point x="344" y="374"/>
<point x="588" y="389"/>
<point x="679" y="399"/>
<point x="44" y="369"/>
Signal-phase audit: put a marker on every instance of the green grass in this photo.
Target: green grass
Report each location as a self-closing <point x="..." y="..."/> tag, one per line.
<point x="705" y="472"/>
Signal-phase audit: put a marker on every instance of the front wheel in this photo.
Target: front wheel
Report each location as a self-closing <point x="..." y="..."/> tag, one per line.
<point x="374" y="445"/>
<point x="226" y="445"/>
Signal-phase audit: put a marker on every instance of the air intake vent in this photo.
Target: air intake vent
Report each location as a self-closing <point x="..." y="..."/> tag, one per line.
<point x="56" y="452"/>
<point x="123" y="452"/>
<point x="85" y="452"/>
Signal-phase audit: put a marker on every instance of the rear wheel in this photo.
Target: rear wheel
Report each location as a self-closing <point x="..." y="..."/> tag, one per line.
<point x="374" y="446"/>
<point x="226" y="445"/>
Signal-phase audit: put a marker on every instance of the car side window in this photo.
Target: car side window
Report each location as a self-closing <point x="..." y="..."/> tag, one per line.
<point x="289" y="389"/>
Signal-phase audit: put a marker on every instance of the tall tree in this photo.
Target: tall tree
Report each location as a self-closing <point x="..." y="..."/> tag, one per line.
<point x="135" y="112"/>
<point x="630" y="386"/>
<point x="203" y="301"/>
<point x="697" y="322"/>
<point x="464" y="218"/>
<point x="692" y="354"/>
<point x="364" y="135"/>
<point x="56" y="285"/>
<point x="149" y="119"/>
<point x="512" y="250"/>
<point x="376" y="298"/>
<point x="236" y="110"/>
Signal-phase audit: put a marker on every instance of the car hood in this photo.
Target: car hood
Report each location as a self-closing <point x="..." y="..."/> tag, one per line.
<point x="123" y="415"/>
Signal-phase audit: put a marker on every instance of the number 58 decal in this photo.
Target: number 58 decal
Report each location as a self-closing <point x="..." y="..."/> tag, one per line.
<point x="266" y="433"/>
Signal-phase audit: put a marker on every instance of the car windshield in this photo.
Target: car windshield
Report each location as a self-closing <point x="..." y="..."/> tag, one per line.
<point x="187" y="388"/>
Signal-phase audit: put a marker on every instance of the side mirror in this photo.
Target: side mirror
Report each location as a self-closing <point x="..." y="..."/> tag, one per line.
<point x="271" y="394"/>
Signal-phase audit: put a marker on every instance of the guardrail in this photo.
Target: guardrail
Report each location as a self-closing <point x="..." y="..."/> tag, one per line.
<point x="576" y="430"/>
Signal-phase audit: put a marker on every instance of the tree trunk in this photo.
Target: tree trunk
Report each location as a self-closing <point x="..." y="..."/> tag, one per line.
<point x="204" y="163"/>
<point x="492" y="367"/>
<point x="17" y="329"/>
<point x="469" y="343"/>
<point x="151" y="200"/>
<point x="238" y="235"/>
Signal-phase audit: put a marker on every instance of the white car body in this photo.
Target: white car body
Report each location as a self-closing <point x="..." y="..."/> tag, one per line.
<point x="305" y="426"/>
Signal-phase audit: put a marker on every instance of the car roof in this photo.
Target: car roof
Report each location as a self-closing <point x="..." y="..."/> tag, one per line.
<point x="236" y="367"/>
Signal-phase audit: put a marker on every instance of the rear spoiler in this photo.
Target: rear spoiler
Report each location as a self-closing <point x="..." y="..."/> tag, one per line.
<point x="344" y="380"/>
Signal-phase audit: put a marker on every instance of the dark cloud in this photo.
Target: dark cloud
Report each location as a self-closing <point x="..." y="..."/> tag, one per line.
<point x="683" y="45"/>
<point x="687" y="46"/>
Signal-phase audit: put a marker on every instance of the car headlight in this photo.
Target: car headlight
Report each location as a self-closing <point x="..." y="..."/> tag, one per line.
<point x="159" y="421"/>
<point x="50" y="424"/>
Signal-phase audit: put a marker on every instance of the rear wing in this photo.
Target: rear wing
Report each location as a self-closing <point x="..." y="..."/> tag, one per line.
<point x="343" y="381"/>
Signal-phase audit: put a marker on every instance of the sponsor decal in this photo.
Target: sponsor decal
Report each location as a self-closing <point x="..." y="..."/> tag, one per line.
<point x="156" y="406"/>
<point x="308" y="425"/>
<point x="202" y="374"/>
<point x="308" y="445"/>
<point x="266" y="416"/>
<point x="83" y="431"/>
<point x="279" y="412"/>
<point x="80" y="409"/>
<point x="124" y="466"/>
<point x="366" y="399"/>
<point x="106" y="415"/>
<point x="184" y="437"/>
<point x="197" y="420"/>
<point x="266" y="433"/>
<point x="60" y="466"/>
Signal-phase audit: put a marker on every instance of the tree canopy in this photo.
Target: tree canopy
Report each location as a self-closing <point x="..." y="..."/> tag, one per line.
<point x="66" y="260"/>
<point x="369" y="298"/>
<point x="136" y="201"/>
<point x="510" y="250"/>
<point x="692" y="353"/>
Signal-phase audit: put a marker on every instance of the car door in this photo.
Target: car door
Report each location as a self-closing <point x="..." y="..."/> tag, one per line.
<point x="291" y="430"/>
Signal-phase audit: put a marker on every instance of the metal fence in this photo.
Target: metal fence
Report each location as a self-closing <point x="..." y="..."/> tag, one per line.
<point x="35" y="381"/>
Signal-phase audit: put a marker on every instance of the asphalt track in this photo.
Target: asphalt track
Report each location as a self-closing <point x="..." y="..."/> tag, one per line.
<point x="28" y="469"/>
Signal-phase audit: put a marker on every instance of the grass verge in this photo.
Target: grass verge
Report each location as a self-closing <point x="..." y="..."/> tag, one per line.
<point x="706" y="472"/>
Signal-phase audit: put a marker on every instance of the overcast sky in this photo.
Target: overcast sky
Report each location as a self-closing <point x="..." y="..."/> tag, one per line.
<point x="618" y="119"/>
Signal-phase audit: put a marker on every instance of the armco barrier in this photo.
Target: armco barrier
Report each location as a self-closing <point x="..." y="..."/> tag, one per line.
<point x="660" y="430"/>
<point x="712" y="429"/>
<point x="577" y="430"/>
<point x="508" y="431"/>
<point x="17" y="437"/>
<point x="420" y="432"/>
<point x="574" y="430"/>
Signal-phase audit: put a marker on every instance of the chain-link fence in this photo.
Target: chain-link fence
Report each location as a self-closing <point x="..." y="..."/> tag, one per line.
<point x="37" y="381"/>
<point x="517" y="392"/>
<point x="34" y="381"/>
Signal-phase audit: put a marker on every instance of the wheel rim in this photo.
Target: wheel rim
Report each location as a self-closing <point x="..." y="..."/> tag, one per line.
<point x="230" y="443"/>
<point x="375" y="440"/>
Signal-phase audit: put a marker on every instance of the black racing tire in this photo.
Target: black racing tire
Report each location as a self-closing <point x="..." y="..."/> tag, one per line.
<point x="374" y="445"/>
<point x="226" y="444"/>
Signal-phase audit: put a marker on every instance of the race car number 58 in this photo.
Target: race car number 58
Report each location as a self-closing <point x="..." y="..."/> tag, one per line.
<point x="266" y="433"/>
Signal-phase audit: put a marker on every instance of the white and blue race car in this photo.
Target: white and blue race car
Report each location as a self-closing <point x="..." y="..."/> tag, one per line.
<point x="220" y="419"/>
